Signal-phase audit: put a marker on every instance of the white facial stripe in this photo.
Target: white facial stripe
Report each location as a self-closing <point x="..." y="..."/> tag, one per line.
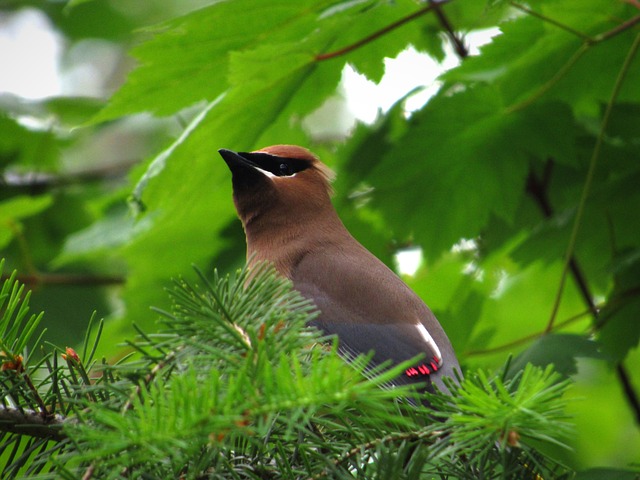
<point x="427" y="338"/>
<point x="267" y="173"/>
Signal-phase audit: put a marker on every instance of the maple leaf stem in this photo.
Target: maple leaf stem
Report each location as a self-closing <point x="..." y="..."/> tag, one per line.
<point x="528" y="338"/>
<point x="381" y="32"/>
<point x="564" y="70"/>
<point x="558" y="325"/>
<point x="545" y="87"/>
<point x="590" y="176"/>
<point x="619" y="29"/>
<point x="551" y="21"/>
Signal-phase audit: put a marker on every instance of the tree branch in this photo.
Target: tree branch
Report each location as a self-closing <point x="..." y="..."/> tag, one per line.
<point x="458" y="44"/>
<point x="70" y="279"/>
<point x="398" y="437"/>
<point x="537" y="189"/>
<point x="629" y="392"/>
<point x="34" y="183"/>
<point x="32" y="423"/>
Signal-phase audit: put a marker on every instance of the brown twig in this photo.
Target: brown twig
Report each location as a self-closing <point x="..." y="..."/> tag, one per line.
<point x="537" y="189"/>
<point x="379" y="33"/>
<point x="624" y="26"/>
<point x="587" y="43"/>
<point x="149" y="378"/>
<point x="44" y="413"/>
<point x="458" y="44"/>
<point x="88" y="474"/>
<point x="629" y="392"/>
<point x="635" y="3"/>
<point x="70" y="279"/>
<point x="398" y="437"/>
<point x="562" y="26"/>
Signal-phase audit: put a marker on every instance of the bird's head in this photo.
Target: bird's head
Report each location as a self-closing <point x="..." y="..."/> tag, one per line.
<point x="278" y="183"/>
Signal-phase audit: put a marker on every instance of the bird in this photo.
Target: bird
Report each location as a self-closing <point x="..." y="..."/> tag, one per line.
<point x="282" y="195"/>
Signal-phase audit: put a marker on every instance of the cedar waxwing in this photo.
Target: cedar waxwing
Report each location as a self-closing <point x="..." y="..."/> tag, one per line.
<point x="282" y="195"/>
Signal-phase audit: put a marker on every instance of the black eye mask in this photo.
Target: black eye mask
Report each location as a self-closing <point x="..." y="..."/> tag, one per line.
<point x="279" y="166"/>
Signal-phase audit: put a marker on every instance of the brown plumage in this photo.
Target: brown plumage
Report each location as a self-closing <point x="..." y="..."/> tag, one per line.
<point x="282" y="195"/>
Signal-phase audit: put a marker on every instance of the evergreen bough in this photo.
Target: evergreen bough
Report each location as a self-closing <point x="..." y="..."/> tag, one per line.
<point x="234" y="385"/>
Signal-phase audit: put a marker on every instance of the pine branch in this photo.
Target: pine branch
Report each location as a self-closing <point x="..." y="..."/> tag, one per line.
<point x="31" y="423"/>
<point x="236" y="383"/>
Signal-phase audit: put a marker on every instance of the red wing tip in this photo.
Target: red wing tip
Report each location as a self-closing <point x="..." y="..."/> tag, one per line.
<point x="425" y="368"/>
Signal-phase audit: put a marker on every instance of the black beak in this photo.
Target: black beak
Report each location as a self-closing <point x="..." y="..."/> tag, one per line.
<point x="234" y="159"/>
<point x="245" y="173"/>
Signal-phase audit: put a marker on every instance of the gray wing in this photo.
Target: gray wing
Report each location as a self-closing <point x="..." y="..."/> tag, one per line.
<point x="369" y="308"/>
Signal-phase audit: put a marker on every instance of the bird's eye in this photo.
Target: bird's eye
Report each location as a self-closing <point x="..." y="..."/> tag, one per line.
<point x="284" y="169"/>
